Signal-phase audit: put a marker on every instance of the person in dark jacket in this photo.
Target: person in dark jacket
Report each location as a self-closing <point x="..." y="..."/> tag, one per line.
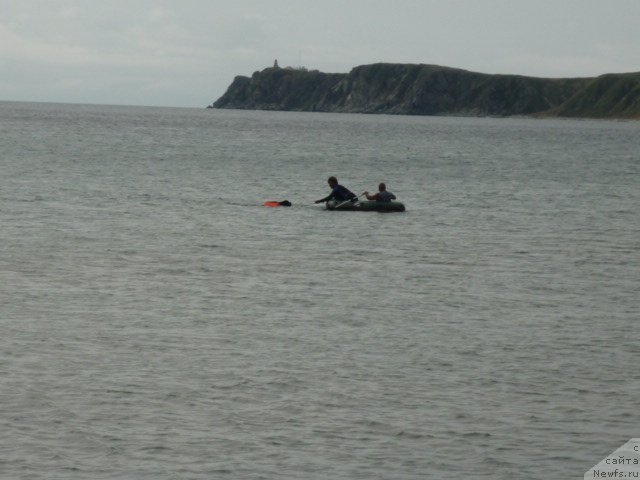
<point x="338" y="192"/>
<point x="382" y="196"/>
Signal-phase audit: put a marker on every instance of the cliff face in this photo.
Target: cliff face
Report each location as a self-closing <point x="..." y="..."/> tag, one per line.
<point x="608" y="96"/>
<point x="432" y="90"/>
<point x="279" y="89"/>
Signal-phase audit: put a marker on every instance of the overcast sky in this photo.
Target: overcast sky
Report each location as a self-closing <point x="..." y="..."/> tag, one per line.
<point x="186" y="52"/>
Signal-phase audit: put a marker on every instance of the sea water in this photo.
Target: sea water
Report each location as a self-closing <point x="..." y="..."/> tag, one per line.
<point x="157" y="322"/>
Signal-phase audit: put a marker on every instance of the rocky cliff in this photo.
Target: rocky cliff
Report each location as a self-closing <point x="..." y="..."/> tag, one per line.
<point x="433" y="90"/>
<point x="608" y="96"/>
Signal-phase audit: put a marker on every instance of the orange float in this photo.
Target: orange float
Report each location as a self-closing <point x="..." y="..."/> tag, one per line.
<point x="273" y="203"/>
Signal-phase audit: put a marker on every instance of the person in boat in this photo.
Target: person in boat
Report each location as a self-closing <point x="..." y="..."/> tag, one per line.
<point x="338" y="192"/>
<point x="383" y="194"/>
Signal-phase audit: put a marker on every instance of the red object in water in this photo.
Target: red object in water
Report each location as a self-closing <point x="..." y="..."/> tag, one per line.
<point x="271" y="204"/>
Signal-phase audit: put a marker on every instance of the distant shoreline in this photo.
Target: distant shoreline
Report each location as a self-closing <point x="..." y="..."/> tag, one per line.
<point x="411" y="89"/>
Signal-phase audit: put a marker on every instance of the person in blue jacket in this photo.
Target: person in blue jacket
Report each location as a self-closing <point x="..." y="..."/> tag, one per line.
<point x="338" y="192"/>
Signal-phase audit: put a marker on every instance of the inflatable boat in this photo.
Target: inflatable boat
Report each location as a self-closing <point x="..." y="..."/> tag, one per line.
<point x="366" y="206"/>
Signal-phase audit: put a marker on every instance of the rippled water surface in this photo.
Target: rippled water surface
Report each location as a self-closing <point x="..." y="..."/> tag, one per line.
<point x="159" y="323"/>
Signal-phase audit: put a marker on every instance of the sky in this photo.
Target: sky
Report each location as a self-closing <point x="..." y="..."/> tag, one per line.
<point x="185" y="53"/>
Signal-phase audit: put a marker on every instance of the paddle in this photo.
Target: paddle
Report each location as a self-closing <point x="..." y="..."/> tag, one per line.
<point x="348" y="201"/>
